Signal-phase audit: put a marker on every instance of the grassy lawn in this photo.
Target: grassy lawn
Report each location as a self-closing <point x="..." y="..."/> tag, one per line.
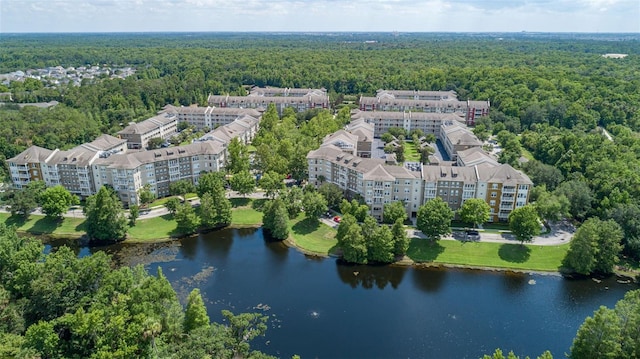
<point x="411" y="153"/>
<point x="246" y="216"/>
<point x="484" y="254"/>
<point x="151" y="229"/>
<point x="67" y="227"/>
<point x="312" y="236"/>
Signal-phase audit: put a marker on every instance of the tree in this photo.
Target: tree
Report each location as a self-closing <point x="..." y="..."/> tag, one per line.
<point x="56" y="201"/>
<point x="195" y="315"/>
<point x="599" y="336"/>
<point x="275" y="219"/>
<point x="181" y="188"/>
<point x="134" y="213"/>
<point x="628" y="217"/>
<point x="172" y="205"/>
<point x="434" y="219"/>
<point x="499" y="355"/>
<point x="292" y="199"/>
<point x="579" y="195"/>
<point x="400" y="238"/>
<point x="243" y="182"/>
<point x="105" y="221"/>
<point x="394" y="211"/>
<point x="524" y="224"/>
<point x="238" y="159"/>
<point x="43" y="338"/>
<point x="551" y="206"/>
<point x="209" y="182"/>
<point x="188" y="221"/>
<point x="332" y="193"/>
<point x="272" y="183"/>
<point x="314" y="205"/>
<point x="155" y="143"/>
<point x="351" y="240"/>
<point x="595" y="247"/>
<point x="475" y="211"/>
<point x="355" y="208"/>
<point x="542" y="174"/>
<point x="215" y="210"/>
<point x="24" y="201"/>
<point x="242" y="328"/>
<point x="146" y="196"/>
<point x="380" y="245"/>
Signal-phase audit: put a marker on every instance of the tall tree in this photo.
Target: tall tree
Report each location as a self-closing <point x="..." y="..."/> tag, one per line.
<point x="292" y="199"/>
<point x="272" y="183"/>
<point x="351" y="240"/>
<point x="400" y="238"/>
<point x="394" y="211"/>
<point x="195" y="315"/>
<point x="524" y="224"/>
<point x="134" y="213"/>
<point x="187" y="219"/>
<point x="105" y="216"/>
<point x="475" y="211"/>
<point x="332" y="193"/>
<point x="243" y="182"/>
<point x="314" y="205"/>
<point x="181" y="188"/>
<point x="146" y="196"/>
<point x="209" y="182"/>
<point x="579" y="195"/>
<point x="551" y="206"/>
<point x="238" y="159"/>
<point x="380" y="245"/>
<point x="24" y="201"/>
<point x="275" y="219"/>
<point x="56" y="201"/>
<point x="595" y="247"/>
<point x="434" y="219"/>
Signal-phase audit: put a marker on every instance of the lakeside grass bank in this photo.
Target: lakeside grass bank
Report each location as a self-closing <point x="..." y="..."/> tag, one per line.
<point x="316" y="238"/>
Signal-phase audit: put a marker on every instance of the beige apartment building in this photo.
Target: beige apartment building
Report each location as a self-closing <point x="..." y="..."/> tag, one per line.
<point x="137" y="135"/>
<point x="210" y="117"/>
<point x="427" y="122"/>
<point x="260" y="98"/>
<point x="428" y="102"/>
<point x="125" y="165"/>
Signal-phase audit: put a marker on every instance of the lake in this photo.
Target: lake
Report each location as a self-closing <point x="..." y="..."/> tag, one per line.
<point x="320" y="308"/>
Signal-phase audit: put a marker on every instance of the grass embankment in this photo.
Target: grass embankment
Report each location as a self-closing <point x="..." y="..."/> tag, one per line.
<point x="37" y="225"/>
<point x="487" y="254"/>
<point x="312" y="236"/>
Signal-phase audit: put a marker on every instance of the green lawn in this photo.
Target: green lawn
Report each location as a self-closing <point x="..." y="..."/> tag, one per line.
<point x="246" y="216"/>
<point x="411" y="153"/>
<point x="152" y="229"/>
<point x="312" y="236"/>
<point x="485" y="254"/>
<point x="67" y="227"/>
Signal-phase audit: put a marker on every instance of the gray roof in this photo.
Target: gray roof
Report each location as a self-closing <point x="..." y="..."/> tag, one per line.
<point x="504" y="174"/>
<point x="78" y="156"/>
<point x="33" y="154"/>
<point x="459" y="135"/>
<point x="194" y="109"/>
<point x="105" y="142"/>
<point x="474" y="156"/>
<point x="449" y="173"/>
<point x="136" y="159"/>
<point x="266" y="100"/>
<point x="412" y="93"/>
<point x="149" y="124"/>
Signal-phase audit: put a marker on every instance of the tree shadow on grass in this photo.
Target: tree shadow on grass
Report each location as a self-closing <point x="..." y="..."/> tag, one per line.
<point x="514" y="253"/>
<point x="45" y="225"/>
<point x="240" y="202"/>
<point x="16" y="220"/>
<point x="258" y="204"/>
<point x="424" y="250"/>
<point x="306" y="226"/>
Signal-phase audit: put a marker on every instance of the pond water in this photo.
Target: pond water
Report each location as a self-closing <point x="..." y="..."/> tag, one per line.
<point x="320" y="308"/>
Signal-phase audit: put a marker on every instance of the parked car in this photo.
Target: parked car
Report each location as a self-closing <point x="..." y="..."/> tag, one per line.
<point x="336" y="219"/>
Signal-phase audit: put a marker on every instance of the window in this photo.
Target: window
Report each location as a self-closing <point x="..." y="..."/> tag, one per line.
<point x="494" y="194"/>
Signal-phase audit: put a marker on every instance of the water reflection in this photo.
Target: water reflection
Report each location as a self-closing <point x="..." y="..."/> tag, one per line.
<point x="515" y="283"/>
<point x="369" y="276"/>
<point x="429" y="279"/>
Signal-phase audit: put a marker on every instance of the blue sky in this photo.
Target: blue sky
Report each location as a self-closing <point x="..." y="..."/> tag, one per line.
<point x="316" y="15"/>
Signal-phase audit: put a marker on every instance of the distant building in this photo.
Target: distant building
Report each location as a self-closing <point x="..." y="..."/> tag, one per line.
<point x="427" y="122"/>
<point x="425" y="101"/>
<point x="456" y="137"/>
<point x="260" y="98"/>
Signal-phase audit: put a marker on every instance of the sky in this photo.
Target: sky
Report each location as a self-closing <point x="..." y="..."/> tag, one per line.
<point x="320" y="15"/>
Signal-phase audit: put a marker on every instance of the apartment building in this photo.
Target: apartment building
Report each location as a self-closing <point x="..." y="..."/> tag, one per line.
<point x="456" y="137"/>
<point x="127" y="173"/>
<point x="365" y="133"/>
<point x="386" y="100"/>
<point x="373" y="179"/>
<point x="418" y="95"/>
<point x="427" y="122"/>
<point x="164" y="125"/>
<point x="269" y="91"/>
<point x="114" y="161"/>
<point x="312" y="98"/>
<point x="210" y="117"/>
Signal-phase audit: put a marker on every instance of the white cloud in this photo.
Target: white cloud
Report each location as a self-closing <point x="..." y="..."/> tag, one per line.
<point x="319" y="15"/>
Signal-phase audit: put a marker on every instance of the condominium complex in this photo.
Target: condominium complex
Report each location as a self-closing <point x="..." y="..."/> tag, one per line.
<point x="124" y="164"/>
<point x="425" y="101"/>
<point x="260" y="98"/>
<point x="473" y="174"/>
<point x="426" y="122"/>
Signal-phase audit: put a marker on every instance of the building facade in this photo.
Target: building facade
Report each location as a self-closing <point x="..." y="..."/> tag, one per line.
<point x="137" y="135"/>
<point x="261" y="98"/>
<point x="382" y="121"/>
